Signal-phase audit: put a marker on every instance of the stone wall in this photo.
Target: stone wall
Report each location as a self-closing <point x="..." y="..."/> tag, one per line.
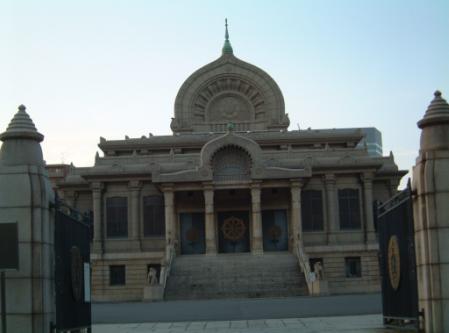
<point x="335" y="269"/>
<point x="136" y="278"/>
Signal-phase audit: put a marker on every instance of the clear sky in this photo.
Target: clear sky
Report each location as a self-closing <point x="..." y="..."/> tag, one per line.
<point x="86" y="68"/>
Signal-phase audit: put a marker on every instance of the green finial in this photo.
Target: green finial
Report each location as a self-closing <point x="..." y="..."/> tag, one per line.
<point x="231" y="127"/>
<point x="227" y="48"/>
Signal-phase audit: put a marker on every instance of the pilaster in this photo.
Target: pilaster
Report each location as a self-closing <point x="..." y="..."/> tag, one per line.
<point x="367" y="180"/>
<point x="331" y="209"/>
<point x="134" y="187"/>
<point x="97" y="194"/>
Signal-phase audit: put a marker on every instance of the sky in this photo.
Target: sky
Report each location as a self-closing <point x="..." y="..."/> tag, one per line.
<point x="110" y="68"/>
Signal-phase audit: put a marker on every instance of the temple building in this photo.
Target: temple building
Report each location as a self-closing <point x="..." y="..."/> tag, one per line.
<point x="232" y="203"/>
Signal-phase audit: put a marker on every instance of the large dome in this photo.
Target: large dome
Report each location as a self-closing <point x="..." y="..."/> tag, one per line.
<point x="229" y="90"/>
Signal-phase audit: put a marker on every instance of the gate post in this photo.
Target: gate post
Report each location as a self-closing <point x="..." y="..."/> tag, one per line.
<point x="25" y="196"/>
<point x="431" y="215"/>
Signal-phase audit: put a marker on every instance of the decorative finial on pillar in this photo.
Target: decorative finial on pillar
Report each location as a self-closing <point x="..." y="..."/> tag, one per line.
<point x="231" y="127"/>
<point x="227" y="48"/>
<point x="437" y="112"/>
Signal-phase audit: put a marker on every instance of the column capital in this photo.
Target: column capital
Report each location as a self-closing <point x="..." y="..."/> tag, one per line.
<point x="255" y="184"/>
<point x="167" y="187"/>
<point x="135" y="185"/>
<point x="367" y="177"/>
<point x="329" y="178"/>
<point x="296" y="183"/>
<point x="208" y="186"/>
<point x="97" y="186"/>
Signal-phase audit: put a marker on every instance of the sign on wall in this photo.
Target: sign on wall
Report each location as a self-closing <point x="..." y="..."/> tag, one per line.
<point x="9" y="246"/>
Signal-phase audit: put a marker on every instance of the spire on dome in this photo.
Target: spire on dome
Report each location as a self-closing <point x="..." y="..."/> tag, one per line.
<point x="227" y="48"/>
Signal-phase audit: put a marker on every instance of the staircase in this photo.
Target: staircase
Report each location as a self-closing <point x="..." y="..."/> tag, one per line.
<point x="241" y="275"/>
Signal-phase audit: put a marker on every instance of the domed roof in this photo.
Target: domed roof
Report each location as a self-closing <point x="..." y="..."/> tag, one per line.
<point x="229" y="90"/>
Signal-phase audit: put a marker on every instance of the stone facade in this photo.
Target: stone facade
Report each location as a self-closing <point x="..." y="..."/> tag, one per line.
<point x="232" y="167"/>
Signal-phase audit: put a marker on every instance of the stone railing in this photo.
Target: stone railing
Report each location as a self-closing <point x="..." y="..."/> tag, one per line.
<point x="315" y="284"/>
<point x="303" y="261"/>
<point x="169" y="255"/>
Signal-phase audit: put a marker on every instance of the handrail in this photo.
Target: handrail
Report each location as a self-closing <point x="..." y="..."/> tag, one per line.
<point x="169" y="255"/>
<point x="303" y="260"/>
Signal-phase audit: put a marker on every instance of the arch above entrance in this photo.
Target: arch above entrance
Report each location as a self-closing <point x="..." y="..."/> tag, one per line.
<point x="231" y="139"/>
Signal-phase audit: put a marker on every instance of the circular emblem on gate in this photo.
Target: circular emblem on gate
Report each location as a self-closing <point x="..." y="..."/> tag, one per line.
<point x="394" y="262"/>
<point x="233" y="228"/>
<point x="76" y="272"/>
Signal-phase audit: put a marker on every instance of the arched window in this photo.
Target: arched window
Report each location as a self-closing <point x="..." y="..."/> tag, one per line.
<point x="231" y="163"/>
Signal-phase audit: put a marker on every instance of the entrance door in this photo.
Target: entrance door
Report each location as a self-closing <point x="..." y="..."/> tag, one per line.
<point x="192" y="233"/>
<point x="233" y="232"/>
<point x="275" y="231"/>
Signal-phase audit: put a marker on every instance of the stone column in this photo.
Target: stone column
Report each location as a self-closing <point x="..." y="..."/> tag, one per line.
<point x="211" y="243"/>
<point x="256" y="241"/>
<point x="169" y="201"/>
<point x="332" y="218"/>
<point x="97" y="190"/>
<point x="296" y="216"/>
<point x="431" y="212"/>
<point x="134" y="227"/>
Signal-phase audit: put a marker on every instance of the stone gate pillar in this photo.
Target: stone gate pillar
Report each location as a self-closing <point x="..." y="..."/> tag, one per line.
<point x="431" y="215"/>
<point x="25" y="196"/>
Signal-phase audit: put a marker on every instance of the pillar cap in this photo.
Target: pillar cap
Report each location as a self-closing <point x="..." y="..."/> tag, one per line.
<point x="21" y="127"/>
<point x="437" y="112"/>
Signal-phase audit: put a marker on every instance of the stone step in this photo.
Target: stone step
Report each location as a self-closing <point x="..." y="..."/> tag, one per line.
<point x="235" y="275"/>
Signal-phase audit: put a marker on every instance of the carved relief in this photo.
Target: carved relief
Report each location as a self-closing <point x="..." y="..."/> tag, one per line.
<point x="231" y="163"/>
<point x="229" y="108"/>
<point x="229" y="98"/>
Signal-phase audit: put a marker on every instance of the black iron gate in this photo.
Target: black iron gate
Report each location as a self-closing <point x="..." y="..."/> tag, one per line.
<point x="72" y="269"/>
<point x="397" y="261"/>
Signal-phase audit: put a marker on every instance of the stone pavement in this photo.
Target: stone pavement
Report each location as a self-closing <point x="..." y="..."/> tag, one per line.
<point x="361" y="323"/>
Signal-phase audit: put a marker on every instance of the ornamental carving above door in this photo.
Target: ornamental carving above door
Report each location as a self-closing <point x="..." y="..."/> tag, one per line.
<point x="231" y="163"/>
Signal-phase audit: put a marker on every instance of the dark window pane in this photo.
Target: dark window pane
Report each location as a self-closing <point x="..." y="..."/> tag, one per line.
<point x="312" y="210"/>
<point x="117" y="275"/>
<point x="353" y="267"/>
<point x="117" y="217"/>
<point x="153" y="216"/>
<point x="349" y="206"/>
